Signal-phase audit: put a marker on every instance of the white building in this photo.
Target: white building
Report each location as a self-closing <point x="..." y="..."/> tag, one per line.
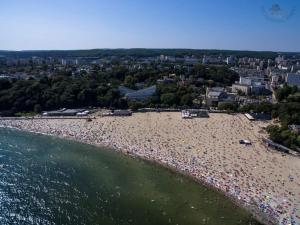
<point x="279" y="59"/>
<point x="63" y="62"/>
<point x="191" y="60"/>
<point x="247" y="85"/>
<point x="230" y="60"/>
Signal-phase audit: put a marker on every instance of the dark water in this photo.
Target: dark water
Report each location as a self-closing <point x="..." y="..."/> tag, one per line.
<point x="45" y="180"/>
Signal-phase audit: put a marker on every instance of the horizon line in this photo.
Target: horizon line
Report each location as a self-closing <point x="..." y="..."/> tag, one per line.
<point x="193" y="49"/>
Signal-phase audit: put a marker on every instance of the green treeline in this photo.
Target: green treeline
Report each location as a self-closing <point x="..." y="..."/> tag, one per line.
<point x="138" y="52"/>
<point x="99" y="88"/>
<point x="287" y="111"/>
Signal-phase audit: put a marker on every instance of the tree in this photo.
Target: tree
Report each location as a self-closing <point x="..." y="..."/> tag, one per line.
<point x="4" y="84"/>
<point x="186" y="100"/>
<point x="129" y="82"/>
<point x="275" y="133"/>
<point x="294" y="97"/>
<point x="168" y="99"/>
<point x="282" y="93"/>
<point x="134" y="106"/>
<point x="37" y="108"/>
<point x="231" y="106"/>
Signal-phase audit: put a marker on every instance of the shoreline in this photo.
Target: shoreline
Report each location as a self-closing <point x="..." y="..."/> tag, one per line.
<point x="186" y="168"/>
<point x="251" y="209"/>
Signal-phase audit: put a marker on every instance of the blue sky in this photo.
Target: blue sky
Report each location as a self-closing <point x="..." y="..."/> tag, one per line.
<point x="197" y="24"/>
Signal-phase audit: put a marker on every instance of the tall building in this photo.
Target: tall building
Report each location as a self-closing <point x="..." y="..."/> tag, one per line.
<point x="64" y="62"/>
<point x="230" y="60"/>
<point x="293" y="79"/>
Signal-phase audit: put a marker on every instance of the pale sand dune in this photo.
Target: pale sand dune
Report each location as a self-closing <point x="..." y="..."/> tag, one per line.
<point x="206" y="148"/>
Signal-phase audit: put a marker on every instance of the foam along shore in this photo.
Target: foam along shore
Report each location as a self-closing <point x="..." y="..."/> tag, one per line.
<point x="207" y="149"/>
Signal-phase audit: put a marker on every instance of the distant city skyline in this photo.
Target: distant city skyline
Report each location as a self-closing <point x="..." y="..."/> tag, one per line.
<point x="259" y="25"/>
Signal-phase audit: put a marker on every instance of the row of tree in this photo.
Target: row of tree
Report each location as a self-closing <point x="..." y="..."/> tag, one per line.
<point x="288" y="112"/>
<point x="138" y="53"/>
<point x="99" y="88"/>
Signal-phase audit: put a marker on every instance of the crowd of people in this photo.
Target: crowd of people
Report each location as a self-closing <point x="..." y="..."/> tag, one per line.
<point x="207" y="149"/>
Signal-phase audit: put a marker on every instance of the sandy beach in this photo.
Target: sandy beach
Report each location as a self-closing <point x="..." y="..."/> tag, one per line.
<point x="207" y="149"/>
